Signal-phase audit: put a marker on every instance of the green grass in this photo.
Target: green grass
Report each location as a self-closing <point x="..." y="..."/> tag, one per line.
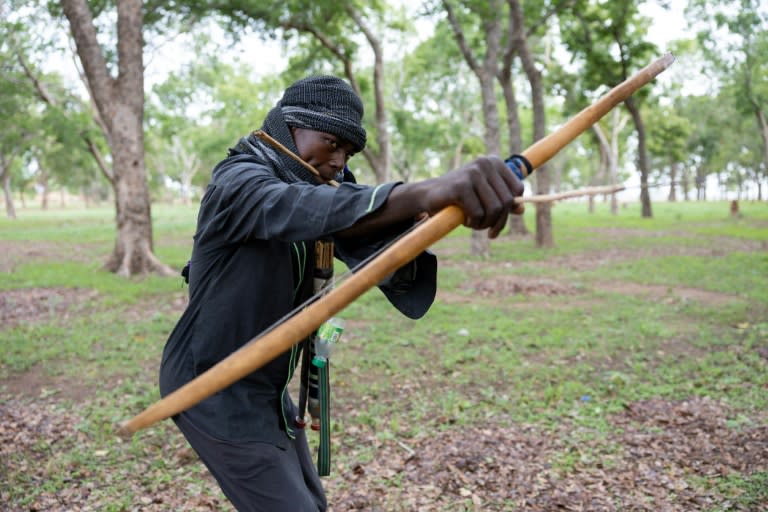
<point x="579" y="355"/>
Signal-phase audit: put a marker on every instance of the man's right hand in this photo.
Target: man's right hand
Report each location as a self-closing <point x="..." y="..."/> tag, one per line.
<point x="485" y="189"/>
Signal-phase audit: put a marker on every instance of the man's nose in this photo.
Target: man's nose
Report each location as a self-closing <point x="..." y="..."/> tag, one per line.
<point x="338" y="158"/>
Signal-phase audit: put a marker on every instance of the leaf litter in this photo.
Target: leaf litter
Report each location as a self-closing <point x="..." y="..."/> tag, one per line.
<point x="664" y="453"/>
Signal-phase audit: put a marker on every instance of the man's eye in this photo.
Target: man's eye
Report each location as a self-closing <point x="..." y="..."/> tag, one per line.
<point x="332" y="143"/>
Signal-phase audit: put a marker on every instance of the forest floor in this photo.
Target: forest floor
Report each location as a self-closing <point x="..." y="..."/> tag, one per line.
<point x="654" y="454"/>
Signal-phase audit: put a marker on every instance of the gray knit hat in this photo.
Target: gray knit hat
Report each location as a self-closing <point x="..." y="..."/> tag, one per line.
<point x="325" y="104"/>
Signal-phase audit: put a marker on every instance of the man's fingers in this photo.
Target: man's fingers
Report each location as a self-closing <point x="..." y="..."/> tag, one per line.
<point x="473" y="210"/>
<point x="492" y="205"/>
<point x="496" y="230"/>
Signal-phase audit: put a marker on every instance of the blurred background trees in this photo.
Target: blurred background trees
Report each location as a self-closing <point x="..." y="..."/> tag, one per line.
<point x="134" y="102"/>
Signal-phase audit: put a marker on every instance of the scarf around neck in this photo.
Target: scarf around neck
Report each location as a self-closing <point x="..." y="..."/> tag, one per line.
<point x="284" y="167"/>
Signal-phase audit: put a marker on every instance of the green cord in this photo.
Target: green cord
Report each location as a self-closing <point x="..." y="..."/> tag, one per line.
<point x="324" y="451"/>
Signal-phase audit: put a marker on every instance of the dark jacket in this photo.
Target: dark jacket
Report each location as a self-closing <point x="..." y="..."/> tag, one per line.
<point x="251" y="264"/>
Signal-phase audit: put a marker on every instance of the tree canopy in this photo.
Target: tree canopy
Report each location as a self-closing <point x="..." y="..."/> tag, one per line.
<point x="442" y="81"/>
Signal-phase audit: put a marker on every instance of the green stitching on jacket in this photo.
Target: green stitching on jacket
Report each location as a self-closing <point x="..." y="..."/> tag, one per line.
<point x="373" y="199"/>
<point x="302" y="262"/>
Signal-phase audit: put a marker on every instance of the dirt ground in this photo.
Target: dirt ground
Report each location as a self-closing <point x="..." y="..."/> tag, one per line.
<point x="664" y="445"/>
<point x="490" y="468"/>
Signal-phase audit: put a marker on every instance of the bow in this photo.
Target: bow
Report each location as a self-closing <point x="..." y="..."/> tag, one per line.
<point x="265" y="347"/>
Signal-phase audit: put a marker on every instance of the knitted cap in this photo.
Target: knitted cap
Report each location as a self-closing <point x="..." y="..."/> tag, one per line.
<point x="325" y="104"/>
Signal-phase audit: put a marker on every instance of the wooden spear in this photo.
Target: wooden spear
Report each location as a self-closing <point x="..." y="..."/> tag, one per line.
<point x="264" y="348"/>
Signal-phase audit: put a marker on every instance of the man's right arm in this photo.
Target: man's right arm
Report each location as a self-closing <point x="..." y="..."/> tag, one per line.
<point x="484" y="189"/>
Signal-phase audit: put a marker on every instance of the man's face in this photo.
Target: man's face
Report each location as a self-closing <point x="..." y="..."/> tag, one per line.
<point x="325" y="152"/>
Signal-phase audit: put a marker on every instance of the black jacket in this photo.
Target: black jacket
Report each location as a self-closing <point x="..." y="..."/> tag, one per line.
<point x="252" y="263"/>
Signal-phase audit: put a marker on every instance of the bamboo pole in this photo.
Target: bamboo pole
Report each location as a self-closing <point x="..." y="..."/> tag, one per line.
<point x="262" y="349"/>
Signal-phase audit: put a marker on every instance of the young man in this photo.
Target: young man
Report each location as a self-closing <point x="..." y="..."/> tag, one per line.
<point x="253" y="262"/>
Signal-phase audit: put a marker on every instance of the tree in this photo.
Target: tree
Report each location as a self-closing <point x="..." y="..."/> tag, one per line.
<point x="198" y="112"/>
<point x="435" y="122"/>
<point x="609" y="153"/>
<point x="610" y="39"/>
<point x="482" y="50"/>
<point x="71" y="147"/>
<point x="669" y="135"/>
<point x="330" y="33"/>
<point x="521" y="33"/>
<point x="735" y="40"/>
<point x="17" y="109"/>
<point x="119" y="102"/>
<point x="490" y="36"/>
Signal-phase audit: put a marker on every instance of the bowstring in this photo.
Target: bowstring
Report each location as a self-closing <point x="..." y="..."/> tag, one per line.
<point x="340" y="279"/>
<point x="335" y="280"/>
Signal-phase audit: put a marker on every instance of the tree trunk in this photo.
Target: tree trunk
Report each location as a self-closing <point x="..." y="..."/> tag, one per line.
<point x="642" y="157"/>
<point x="379" y="161"/>
<point x="607" y="162"/>
<point x="762" y="123"/>
<point x="516" y="223"/>
<point x="517" y="226"/>
<point x="43" y="182"/>
<point x="133" y="248"/>
<point x="672" y="181"/>
<point x="486" y="75"/>
<point x="701" y="184"/>
<point x="10" y="210"/>
<point x="480" y="245"/>
<point x="544" y="237"/>
<point x="619" y="122"/>
<point x="120" y="103"/>
<point x="44" y="195"/>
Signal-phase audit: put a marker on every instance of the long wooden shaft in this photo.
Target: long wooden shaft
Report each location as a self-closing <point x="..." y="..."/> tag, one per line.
<point x="262" y="349"/>
<point x="589" y="191"/>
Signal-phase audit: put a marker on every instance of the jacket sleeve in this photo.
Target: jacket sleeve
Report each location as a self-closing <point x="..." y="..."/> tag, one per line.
<point x="245" y="203"/>
<point x="411" y="288"/>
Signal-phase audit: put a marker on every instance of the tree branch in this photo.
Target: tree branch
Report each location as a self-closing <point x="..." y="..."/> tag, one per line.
<point x="460" y="39"/>
<point x="102" y="85"/>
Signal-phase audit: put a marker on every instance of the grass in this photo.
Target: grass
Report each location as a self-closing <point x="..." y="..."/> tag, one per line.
<point x="582" y="354"/>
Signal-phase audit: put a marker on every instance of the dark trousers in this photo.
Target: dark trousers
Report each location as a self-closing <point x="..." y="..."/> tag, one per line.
<point x="260" y="477"/>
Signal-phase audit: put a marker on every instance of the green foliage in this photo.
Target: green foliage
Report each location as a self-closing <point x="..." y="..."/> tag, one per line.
<point x="199" y="112"/>
<point x="610" y="38"/>
<point x="50" y="121"/>
<point x="431" y="99"/>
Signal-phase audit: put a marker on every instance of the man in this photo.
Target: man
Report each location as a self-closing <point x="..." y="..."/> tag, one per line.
<point x="253" y="262"/>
